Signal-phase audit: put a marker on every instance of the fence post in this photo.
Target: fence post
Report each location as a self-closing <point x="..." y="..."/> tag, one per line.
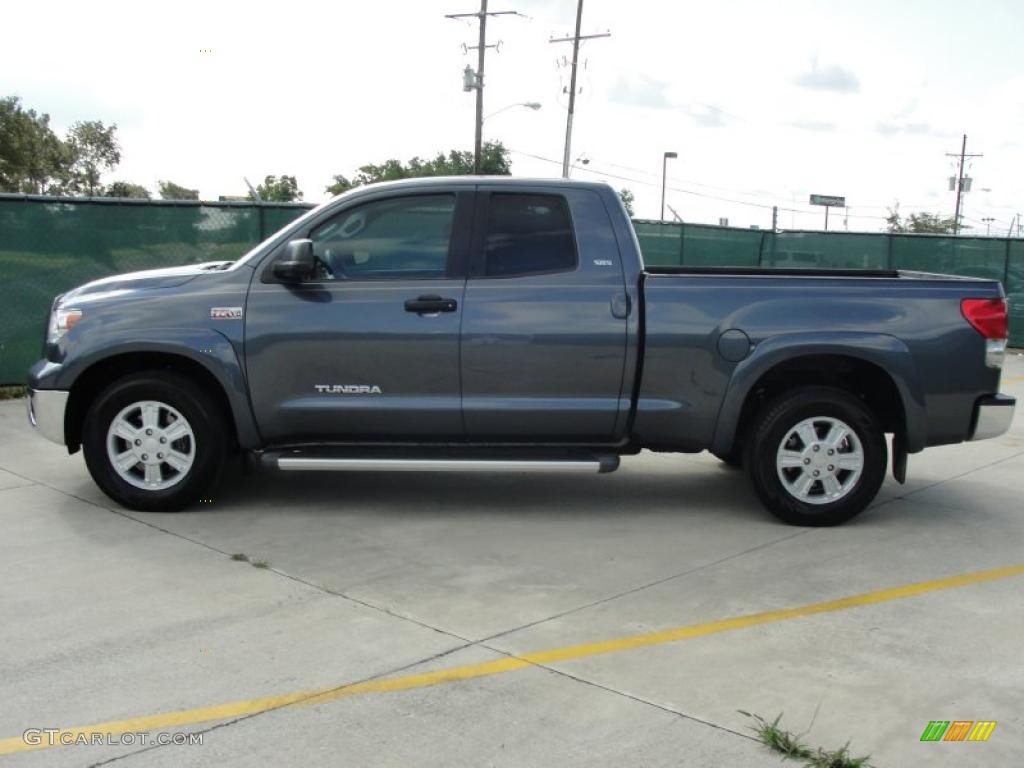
<point x="262" y="220"/>
<point x="682" y="239"/>
<point x="1006" y="268"/>
<point x="888" y="251"/>
<point x="760" y="250"/>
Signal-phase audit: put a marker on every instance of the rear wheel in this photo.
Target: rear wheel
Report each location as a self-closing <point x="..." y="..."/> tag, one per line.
<point x="816" y="456"/>
<point x="154" y="441"/>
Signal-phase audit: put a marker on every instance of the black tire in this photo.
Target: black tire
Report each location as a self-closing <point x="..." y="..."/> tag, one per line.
<point x="209" y="432"/>
<point x="775" y="423"/>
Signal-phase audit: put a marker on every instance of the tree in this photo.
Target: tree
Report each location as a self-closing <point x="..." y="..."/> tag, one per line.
<point x="31" y="155"/>
<point x="627" y="200"/>
<point x="494" y="161"/>
<point x="284" y="189"/>
<point x="91" y="147"/>
<point x="126" y="189"/>
<point x="922" y="223"/>
<point x="171" y="191"/>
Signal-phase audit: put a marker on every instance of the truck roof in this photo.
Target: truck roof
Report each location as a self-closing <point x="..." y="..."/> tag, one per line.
<point x="468" y="181"/>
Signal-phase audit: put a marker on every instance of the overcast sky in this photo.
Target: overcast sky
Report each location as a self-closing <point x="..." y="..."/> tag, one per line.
<point x="765" y="102"/>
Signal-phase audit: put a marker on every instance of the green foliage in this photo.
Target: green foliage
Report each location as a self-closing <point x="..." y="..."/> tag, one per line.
<point x="494" y="161"/>
<point x="790" y="747"/>
<point x="91" y="147"/>
<point x="171" y="191"/>
<point x="627" y="200"/>
<point x="275" y="189"/>
<point x="35" y="160"/>
<point x="126" y="189"/>
<point x="922" y="223"/>
<point x="31" y="155"/>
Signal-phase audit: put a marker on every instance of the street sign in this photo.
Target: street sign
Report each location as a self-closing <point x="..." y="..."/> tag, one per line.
<point x="832" y="201"/>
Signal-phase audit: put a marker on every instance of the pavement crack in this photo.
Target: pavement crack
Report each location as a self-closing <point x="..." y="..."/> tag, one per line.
<point x="624" y="694"/>
<point x="642" y="587"/>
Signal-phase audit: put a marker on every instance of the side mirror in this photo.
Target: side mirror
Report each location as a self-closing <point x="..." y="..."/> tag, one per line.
<point x="297" y="264"/>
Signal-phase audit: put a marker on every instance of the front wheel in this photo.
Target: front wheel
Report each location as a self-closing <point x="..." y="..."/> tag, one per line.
<point x="154" y="441"/>
<point x="817" y="456"/>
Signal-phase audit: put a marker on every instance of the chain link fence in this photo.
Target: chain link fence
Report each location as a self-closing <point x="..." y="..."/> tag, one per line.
<point x="49" y="245"/>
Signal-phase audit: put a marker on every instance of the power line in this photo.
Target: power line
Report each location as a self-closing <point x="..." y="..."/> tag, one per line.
<point x="642" y="182"/>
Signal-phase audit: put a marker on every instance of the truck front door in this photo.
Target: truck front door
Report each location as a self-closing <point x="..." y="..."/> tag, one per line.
<point x="369" y="350"/>
<point x="545" y="319"/>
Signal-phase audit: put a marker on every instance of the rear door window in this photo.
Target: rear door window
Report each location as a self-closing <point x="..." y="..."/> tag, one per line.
<point x="528" y="234"/>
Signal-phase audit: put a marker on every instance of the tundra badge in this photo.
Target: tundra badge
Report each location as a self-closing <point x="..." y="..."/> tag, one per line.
<point x="347" y="389"/>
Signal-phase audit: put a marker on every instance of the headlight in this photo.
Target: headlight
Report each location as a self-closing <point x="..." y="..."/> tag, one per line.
<point x="61" y="321"/>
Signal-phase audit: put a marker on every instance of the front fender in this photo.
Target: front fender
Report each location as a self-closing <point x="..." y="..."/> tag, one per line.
<point x="206" y="347"/>
<point x="887" y="352"/>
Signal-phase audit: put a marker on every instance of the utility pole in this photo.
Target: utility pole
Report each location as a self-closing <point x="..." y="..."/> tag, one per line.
<point x="988" y="225"/>
<point x="775" y="218"/>
<point x="960" y="182"/>
<point x="478" y="81"/>
<point x="575" y="39"/>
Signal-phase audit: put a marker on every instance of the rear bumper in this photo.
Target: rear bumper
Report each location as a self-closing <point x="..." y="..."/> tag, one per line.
<point x="46" y="412"/>
<point x="993" y="416"/>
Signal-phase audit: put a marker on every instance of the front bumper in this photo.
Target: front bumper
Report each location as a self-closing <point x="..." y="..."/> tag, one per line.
<point x="992" y="416"/>
<point x="46" y="412"/>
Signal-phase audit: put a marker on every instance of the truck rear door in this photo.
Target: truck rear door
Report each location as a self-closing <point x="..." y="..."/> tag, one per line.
<point x="544" y="326"/>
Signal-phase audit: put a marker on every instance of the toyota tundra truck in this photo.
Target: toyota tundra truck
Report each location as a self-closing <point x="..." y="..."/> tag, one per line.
<point x="499" y="324"/>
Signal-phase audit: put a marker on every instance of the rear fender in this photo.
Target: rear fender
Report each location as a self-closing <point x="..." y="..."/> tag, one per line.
<point x="887" y="352"/>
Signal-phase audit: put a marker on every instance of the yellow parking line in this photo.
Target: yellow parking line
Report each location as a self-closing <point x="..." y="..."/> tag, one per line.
<point x="236" y="709"/>
<point x="1012" y="378"/>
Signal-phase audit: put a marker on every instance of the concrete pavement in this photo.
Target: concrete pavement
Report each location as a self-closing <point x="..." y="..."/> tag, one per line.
<point x="113" y="615"/>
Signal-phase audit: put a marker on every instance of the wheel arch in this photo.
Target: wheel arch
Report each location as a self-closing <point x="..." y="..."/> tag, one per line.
<point x="91" y="380"/>
<point x="874" y="367"/>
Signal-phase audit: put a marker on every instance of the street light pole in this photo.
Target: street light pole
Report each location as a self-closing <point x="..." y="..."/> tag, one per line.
<point x="664" y="178"/>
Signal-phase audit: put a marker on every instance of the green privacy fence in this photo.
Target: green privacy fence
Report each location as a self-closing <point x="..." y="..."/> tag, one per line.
<point x="1002" y="259"/>
<point x="48" y="245"/>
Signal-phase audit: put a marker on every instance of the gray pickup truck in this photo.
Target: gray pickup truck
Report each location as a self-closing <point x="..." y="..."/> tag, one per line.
<point x="494" y="324"/>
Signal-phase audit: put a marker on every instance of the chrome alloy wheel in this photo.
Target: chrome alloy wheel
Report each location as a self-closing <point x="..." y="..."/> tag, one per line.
<point x="150" y="445"/>
<point x="820" y="460"/>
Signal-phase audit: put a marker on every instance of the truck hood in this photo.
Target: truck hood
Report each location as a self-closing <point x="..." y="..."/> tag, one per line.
<point x="144" y="280"/>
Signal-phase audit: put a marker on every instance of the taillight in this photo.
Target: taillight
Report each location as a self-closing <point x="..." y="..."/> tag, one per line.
<point x="988" y="316"/>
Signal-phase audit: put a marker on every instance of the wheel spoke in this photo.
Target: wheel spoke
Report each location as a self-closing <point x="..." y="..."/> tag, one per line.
<point x="154" y="474"/>
<point x="176" y="431"/>
<point x="178" y="460"/>
<point x="125" y="461"/>
<point x="125" y="430"/>
<point x="150" y="415"/>
<point x="836" y="434"/>
<point x="801" y="487"/>
<point x="789" y="459"/>
<point x="832" y="485"/>
<point x="806" y="433"/>
<point x="851" y="461"/>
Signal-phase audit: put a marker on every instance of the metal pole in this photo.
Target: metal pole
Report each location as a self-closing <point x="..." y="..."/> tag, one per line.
<point x="826" y="217"/>
<point x="664" y="171"/>
<point x="572" y="92"/>
<point x="775" y="217"/>
<point x="664" y="166"/>
<point x="959" y="187"/>
<point x="480" y="57"/>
